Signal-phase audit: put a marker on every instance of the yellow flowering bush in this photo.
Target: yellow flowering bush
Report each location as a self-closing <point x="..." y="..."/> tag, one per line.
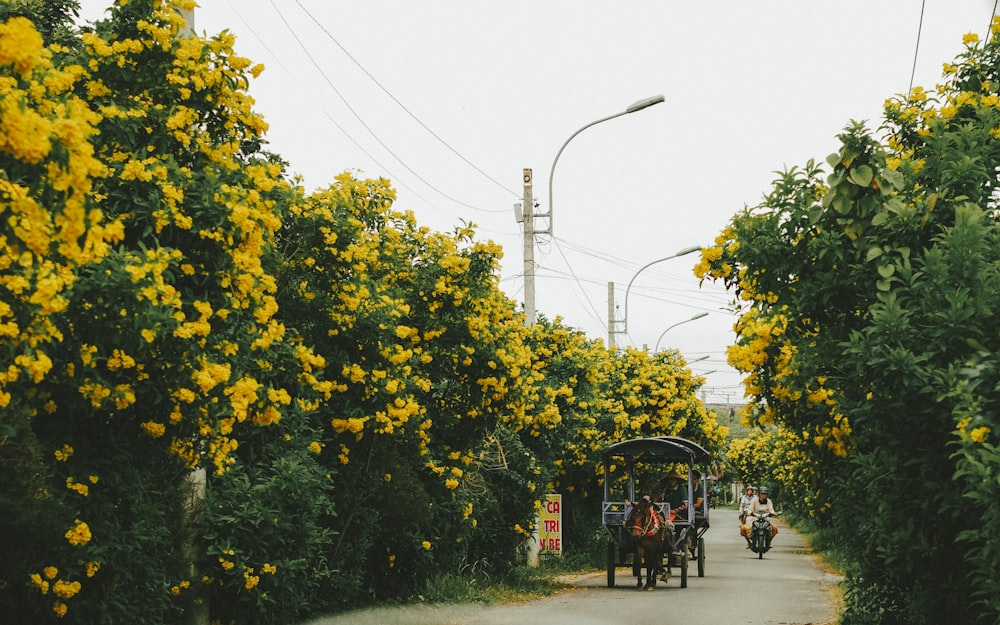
<point x="138" y="317"/>
<point x="222" y="395"/>
<point x="868" y="299"/>
<point x="431" y="366"/>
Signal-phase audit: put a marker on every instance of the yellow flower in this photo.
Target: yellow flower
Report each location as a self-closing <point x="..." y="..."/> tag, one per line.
<point x="427" y="545"/>
<point x="37" y="580"/>
<point x="79" y="534"/>
<point x="62" y="455"/>
<point x="65" y="590"/>
<point x="979" y="434"/>
<point x="83" y="489"/>
<point x="154" y="429"/>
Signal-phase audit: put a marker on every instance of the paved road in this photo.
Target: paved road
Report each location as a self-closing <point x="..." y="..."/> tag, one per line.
<point x="787" y="587"/>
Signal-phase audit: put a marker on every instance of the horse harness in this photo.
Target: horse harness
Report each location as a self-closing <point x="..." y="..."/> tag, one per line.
<point x="651" y="526"/>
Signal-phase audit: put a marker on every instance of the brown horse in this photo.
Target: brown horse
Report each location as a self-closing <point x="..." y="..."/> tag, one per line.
<point x="649" y="531"/>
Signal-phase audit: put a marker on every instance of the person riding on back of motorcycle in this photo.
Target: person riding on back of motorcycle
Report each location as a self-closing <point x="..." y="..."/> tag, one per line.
<point x="745" y="503"/>
<point x="760" y="504"/>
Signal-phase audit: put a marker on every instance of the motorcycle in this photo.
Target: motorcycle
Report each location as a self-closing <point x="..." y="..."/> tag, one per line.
<point x="760" y="533"/>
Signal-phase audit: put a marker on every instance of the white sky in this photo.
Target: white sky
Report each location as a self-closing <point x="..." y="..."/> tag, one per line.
<point x="751" y="88"/>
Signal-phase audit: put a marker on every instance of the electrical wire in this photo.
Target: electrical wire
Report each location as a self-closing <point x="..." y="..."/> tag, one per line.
<point x="597" y="316"/>
<point x="364" y="124"/>
<point x="989" y="27"/>
<point x="401" y="105"/>
<point x="920" y="28"/>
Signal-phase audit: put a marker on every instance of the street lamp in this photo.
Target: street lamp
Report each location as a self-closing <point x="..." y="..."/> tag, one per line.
<point x="698" y="316"/>
<point x="634" y="108"/>
<point x="624" y="321"/>
<point x="529" y="225"/>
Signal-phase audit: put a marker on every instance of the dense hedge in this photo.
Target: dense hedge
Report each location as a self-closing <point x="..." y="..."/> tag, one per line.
<point x="224" y="398"/>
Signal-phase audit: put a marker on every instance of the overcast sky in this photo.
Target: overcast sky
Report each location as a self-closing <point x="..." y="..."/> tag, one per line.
<point x="452" y="99"/>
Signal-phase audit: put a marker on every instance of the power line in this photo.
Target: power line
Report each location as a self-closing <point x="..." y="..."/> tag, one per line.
<point x="920" y="28"/>
<point x="401" y="105"/>
<point x="364" y="124"/>
<point x="597" y="315"/>
<point x="989" y="27"/>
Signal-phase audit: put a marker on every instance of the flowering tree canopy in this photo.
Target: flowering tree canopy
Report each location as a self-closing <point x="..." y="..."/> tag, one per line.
<point x="868" y="337"/>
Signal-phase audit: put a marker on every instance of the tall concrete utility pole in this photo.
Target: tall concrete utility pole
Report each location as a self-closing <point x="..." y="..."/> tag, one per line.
<point x="611" y="315"/>
<point x="529" y="252"/>
<point x="188" y="16"/>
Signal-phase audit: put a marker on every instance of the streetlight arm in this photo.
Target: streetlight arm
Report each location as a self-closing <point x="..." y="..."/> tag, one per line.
<point x="552" y="170"/>
<point x="656" y="348"/>
<point x="686" y="250"/>
<point x="633" y="108"/>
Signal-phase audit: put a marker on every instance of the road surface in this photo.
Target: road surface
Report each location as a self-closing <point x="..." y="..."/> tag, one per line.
<point x="787" y="587"/>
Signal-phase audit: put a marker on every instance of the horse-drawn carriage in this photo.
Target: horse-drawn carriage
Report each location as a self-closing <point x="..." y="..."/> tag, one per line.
<point x="641" y="527"/>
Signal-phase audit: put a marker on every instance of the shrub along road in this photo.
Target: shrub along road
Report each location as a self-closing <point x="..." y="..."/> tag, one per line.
<point x="787" y="587"/>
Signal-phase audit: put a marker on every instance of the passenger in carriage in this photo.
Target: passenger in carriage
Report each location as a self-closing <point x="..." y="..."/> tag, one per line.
<point x="697" y="490"/>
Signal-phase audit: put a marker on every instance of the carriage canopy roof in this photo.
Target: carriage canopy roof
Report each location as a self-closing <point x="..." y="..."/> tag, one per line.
<point x="658" y="449"/>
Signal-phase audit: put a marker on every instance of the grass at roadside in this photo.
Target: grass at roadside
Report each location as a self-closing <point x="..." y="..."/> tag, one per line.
<point x="474" y="584"/>
<point x="833" y="558"/>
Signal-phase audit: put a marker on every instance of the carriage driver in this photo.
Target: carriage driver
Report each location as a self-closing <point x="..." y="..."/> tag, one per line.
<point x="674" y="491"/>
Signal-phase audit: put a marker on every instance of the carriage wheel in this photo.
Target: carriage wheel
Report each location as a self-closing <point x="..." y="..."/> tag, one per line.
<point x="701" y="557"/>
<point x="612" y="562"/>
<point x="684" y="569"/>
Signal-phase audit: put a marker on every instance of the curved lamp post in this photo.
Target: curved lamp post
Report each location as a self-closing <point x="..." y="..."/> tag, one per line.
<point x="633" y="108"/>
<point x="529" y="231"/>
<point x="698" y="316"/>
<point x="683" y="252"/>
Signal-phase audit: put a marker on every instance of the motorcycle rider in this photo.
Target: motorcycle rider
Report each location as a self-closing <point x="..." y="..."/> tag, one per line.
<point x="760" y="504"/>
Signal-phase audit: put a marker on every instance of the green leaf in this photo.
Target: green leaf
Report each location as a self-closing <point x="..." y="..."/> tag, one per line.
<point x="842" y="204"/>
<point x="886" y="271"/>
<point x="854" y="230"/>
<point x="894" y="205"/>
<point x="833" y="159"/>
<point x="849" y="155"/>
<point x="894" y="178"/>
<point x="862" y="175"/>
<point x="873" y="253"/>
